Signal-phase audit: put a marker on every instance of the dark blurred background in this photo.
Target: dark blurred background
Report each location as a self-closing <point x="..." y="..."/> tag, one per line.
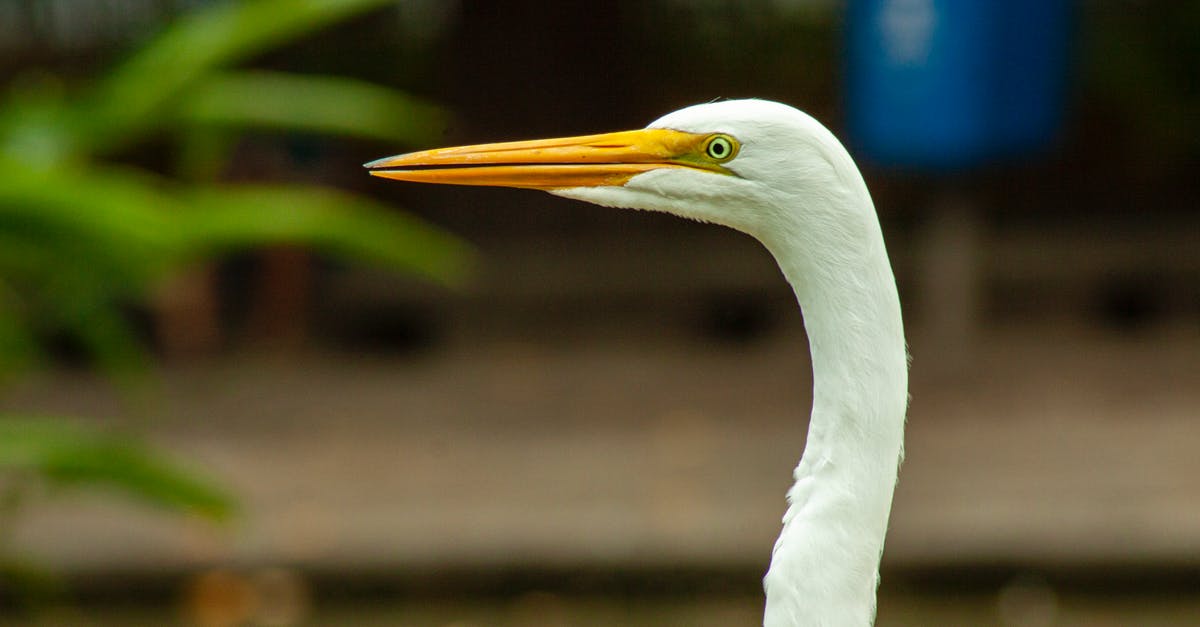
<point x="248" y="384"/>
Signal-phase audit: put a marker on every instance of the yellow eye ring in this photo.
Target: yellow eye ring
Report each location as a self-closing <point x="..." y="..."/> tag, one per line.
<point x="721" y="148"/>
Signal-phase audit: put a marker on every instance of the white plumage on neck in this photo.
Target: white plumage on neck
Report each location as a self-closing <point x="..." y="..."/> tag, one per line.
<point x="824" y="569"/>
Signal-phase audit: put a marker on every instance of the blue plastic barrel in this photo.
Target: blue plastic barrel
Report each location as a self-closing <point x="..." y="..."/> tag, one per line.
<point x="944" y="84"/>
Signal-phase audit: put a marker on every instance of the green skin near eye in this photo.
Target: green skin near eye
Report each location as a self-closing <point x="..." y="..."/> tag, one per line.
<point x="716" y="150"/>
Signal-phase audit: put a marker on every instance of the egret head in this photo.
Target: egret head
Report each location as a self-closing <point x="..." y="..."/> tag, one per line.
<point x="775" y="173"/>
<point x="740" y="163"/>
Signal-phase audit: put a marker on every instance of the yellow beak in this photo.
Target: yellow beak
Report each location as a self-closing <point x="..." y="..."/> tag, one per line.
<point x="610" y="159"/>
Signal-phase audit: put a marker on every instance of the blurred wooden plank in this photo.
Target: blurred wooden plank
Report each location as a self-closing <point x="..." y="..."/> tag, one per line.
<point x="1057" y="447"/>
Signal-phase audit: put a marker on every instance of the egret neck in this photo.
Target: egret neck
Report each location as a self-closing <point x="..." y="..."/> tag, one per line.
<point x="839" y="504"/>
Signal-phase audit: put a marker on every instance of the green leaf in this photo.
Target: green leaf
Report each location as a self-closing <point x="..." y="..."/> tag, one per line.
<point x="62" y="284"/>
<point x="37" y="126"/>
<point x="135" y="95"/>
<point x="319" y="104"/>
<point x="117" y="219"/>
<point x="234" y="217"/>
<point x="67" y="455"/>
<point x="95" y="318"/>
<point x="75" y="246"/>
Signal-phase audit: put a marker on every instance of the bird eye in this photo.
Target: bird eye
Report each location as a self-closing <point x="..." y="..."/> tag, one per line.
<point x="721" y="148"/>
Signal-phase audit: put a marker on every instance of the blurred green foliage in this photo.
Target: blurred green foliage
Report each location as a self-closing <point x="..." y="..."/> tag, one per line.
<point x="65" y="455"/>
<point x="83" y="235"/>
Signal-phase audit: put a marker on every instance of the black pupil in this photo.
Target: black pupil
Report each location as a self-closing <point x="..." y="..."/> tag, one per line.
<point x="717" y="148"/>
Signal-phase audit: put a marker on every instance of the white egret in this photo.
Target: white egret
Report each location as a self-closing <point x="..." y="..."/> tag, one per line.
<point x="775" y="173"/>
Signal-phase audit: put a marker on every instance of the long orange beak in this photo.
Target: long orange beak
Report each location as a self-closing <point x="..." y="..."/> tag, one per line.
<point x="610" y="159"/>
